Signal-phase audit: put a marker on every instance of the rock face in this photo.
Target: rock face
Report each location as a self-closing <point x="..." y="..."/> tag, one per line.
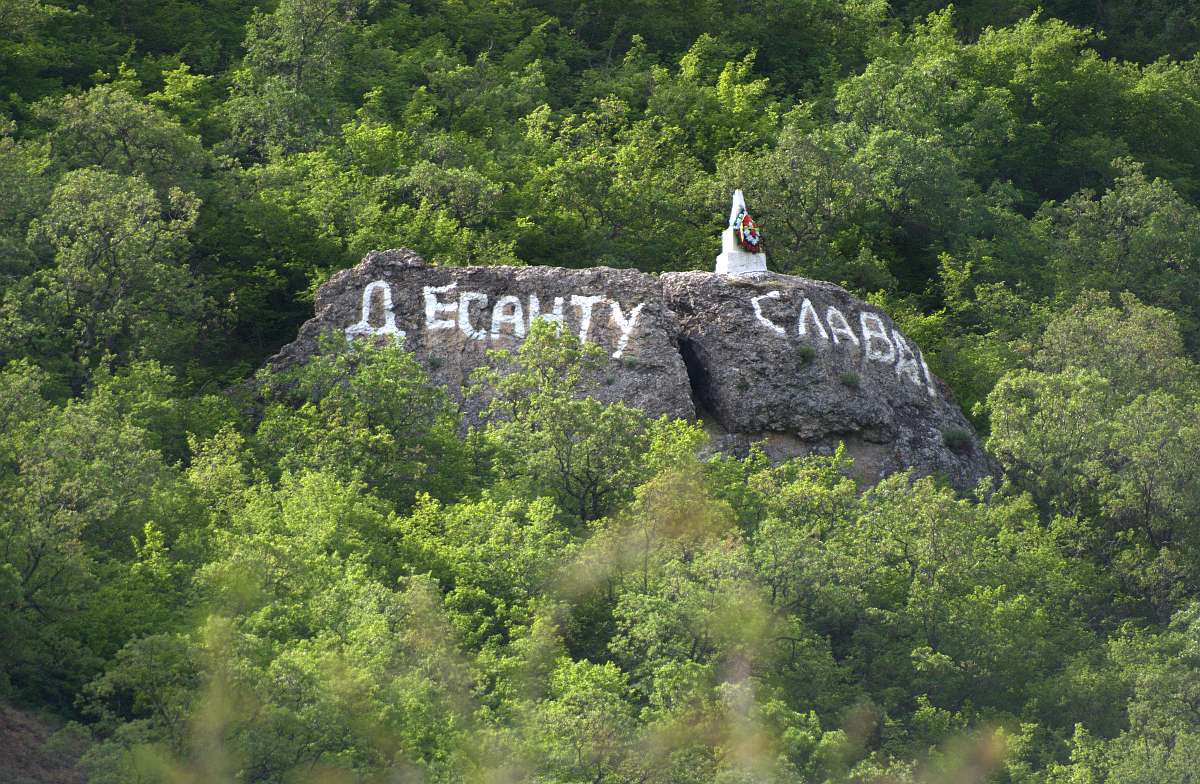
<point x="450" y="317"/>
<point x="801" y="365"/>
<point x="798" y="365"/>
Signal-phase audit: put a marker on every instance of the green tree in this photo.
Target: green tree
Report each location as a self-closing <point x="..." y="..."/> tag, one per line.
<point x="24" y="194"/>
<point x="1103" y="432"/>
<point x="616" y="192"/>
<point x="494" y="562"/>
<point x="108" y="128"/>
<point x="714" y="104"/>
<point x="1161" y="741"/>
<point x="79" y="489"/>
<point x="377" y="691"/>
<point x="115" y="280"/>
<point x="584" y="454"/>
<point x="26" y="53"/>
<point x="807" y="192"/>
<point x="285" y="97"/>
<point x="1136" y="347"/>
<point x="366" y="414"/>
<point x="585" y="728"/>
<point x="1140" y="236"/>
<point x="1050" y="432"/>
<point x="377" y="189"/>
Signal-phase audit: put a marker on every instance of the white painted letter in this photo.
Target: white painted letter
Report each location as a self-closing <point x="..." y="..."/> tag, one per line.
<point x="906" y="361"/>
<point x="879" y="333"/>
<point x="626" y="326"/>
<point x="807" y="313"/>
<point x="758" y="314"/>
<point x="842" y="327"/>
<point x="464" y="314"/>
<point x="433" y="307"/>
<point x="517" y="319"/>
<point x="585" y="313"/>
<point x="929" y="385"/>
<point x="535" y="311"/>
<point x="363" y="327"/>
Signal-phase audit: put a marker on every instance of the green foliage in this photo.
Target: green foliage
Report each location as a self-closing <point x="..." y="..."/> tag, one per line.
<point x="225" y="700"/>
<point x="107" y="128"/>
<point x="585" y="725"/>
<point x="618" y="192"/>
<point x="493" y="562"/>
<point x="367" y="414"/>
<point x="284" y="95"/>
<point x="1105" y="435"/>
<point x="1160" y="742"/>
<point x="957" y="440"/>
<point x="82" y="490"/>
<point x="115" y="281"/>
<point x="1137" y="348"/>
<point x="585" y="455"/>
<point x="1140" y="237"/>
<point x="806" y="190"/>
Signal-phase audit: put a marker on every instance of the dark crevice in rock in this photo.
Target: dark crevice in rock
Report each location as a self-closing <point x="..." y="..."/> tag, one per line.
<point x="698" y="378"/>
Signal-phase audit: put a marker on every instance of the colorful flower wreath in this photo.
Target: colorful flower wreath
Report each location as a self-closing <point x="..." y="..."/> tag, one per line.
<point x="747" y="233"/>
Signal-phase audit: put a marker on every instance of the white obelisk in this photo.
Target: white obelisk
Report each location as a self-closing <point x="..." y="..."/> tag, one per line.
<point x="734" y="261"/>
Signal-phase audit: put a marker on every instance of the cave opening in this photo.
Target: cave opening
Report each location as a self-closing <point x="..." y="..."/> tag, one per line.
<point x="699" y="380"/>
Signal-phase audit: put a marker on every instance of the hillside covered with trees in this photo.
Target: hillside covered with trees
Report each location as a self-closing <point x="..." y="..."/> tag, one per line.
<point x="315" y="577"/>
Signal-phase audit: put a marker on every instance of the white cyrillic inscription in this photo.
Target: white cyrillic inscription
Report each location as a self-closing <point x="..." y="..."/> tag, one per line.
<point x="434" y="308"/>
<point x="878" y="342"/>
<point x="363" y="327"/>
<point x="625" y="325"/>
<point x="467" y="312"/>
<point x="585" y="305"/>
<point x="464" y="314"/>
<point x="500" y="318"/>
<point x="842" y="327"/>
<point x="873" y="332"/>
<point x="509" y="317"/>
<point x="758" y="314"/>
<point x="809" y="313"/>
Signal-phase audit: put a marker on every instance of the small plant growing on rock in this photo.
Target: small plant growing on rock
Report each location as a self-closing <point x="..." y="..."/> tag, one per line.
<point x="435" y="362"/>
<point x="743" y="385"/>
<point x="957" y="440"/>
<point x="629" y="362"/>
<point x="807" y="354"/>
<point x="850" y="379"/>
<point x="609" y="378"/>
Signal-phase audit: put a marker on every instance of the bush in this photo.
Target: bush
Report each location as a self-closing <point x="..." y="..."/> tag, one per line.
<point x="957" y="440"/>
<point x="850" y="379"/>
<point x="807" y="354"/>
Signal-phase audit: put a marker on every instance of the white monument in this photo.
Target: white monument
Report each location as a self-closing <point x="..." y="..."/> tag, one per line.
<point x="741" y="243"/>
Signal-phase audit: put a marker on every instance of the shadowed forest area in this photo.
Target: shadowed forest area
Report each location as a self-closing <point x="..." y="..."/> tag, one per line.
<point x="313" y="577"/>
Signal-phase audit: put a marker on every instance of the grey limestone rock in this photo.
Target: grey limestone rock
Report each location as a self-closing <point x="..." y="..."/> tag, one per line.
<point x="802" y="365"/>
<point x="450" y="317"/>
<point x="798" y="365"/>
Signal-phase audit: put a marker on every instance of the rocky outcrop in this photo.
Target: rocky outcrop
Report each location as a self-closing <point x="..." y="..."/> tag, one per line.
<point x="450" y="317"/>
<point x="797" y="365"/>
<point x="802" y="365"/>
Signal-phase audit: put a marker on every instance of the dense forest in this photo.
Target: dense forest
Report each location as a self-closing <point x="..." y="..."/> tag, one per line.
<point x="212" y="574"/>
